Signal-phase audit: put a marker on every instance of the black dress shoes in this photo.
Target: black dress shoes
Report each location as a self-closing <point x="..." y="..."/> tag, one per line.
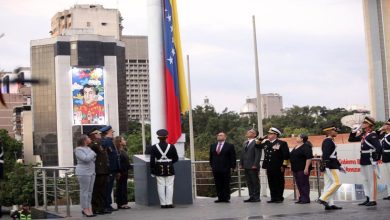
<point x="373" y="203"/>
<point x="365" y="202"/>
<point x="386" y="198"/>
<point x="333" y="207"/>
<point x="255" y="200"/>
<point x="218" y="201"/>
<point x="322" y="202"/>
<point x="248" y="200"/>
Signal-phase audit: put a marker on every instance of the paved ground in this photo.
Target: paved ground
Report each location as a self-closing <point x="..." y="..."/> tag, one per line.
<point x="206" y="209"/>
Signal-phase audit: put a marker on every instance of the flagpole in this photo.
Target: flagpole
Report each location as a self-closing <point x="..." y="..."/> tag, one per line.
<point x="142" y="121"/>
<point x="156" y="68"/>
<point x="258" y="95"/>
<point x="190" y="122"/>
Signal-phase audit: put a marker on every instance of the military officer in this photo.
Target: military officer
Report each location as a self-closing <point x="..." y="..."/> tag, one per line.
<point x="369" y="155"/>
<point x="162" y="158"/>
<point x="332" y="169"/>
<point x="276" y="159"/>
<point x="102" y="172"/>
<point x="386" y="156"/>
<point x="114" y="163"/>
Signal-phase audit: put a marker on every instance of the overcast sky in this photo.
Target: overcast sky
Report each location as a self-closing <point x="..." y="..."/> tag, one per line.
<point x="312" y="52"/>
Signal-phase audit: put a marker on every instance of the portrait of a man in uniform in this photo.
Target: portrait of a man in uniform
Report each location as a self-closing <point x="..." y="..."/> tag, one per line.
<point x="88" y="96"/>
<point x="91" y="110"/>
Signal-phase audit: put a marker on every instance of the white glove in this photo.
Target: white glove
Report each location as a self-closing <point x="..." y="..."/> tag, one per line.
<point x="152" y="175"/>
<point x="355" y="128"/>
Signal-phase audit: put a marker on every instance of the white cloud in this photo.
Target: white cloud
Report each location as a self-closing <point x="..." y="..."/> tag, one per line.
<point x="76" y="86"/>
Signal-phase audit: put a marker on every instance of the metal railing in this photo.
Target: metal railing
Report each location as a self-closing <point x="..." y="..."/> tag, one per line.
<point x="202" y="175"/>
<point x="46" y="184"/>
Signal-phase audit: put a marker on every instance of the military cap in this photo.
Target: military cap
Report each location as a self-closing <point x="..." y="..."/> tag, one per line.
<point x="273" y="130"/>
<point x="329" y="128"/>
<point x="94" y="131"/>
<point x="387" y="122"/>
<point x="105" y="129"/>
<point x="162" y="133"/>
<point x="369" y="120"/>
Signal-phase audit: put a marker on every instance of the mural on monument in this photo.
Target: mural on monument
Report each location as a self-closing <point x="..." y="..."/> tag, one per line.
<point x="88" y="96"/>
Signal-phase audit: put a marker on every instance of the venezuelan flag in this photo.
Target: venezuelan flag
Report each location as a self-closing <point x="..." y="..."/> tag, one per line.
<point x="175" y="84"/>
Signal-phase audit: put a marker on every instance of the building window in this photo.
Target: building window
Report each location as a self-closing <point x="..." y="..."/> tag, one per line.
<point x="88" y="24"/>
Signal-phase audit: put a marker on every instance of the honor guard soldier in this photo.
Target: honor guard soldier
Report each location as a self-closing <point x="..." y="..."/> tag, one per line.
<point x="369" y="155"/>
<point x="386" y="155"/>
<point x="331" y="168"/>
<point x="102" y="173"/>
<point x="162" y="158"/>
<point x="276" y="159"/>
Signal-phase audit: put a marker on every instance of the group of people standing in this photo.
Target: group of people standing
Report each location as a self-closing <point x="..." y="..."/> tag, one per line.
<point x="222" y="158"/>
<point x="102" y="159"/>
<point x="277" y="156"/>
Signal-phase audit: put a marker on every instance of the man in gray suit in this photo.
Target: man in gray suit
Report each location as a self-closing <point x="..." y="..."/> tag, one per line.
<point x="250" y="162"/>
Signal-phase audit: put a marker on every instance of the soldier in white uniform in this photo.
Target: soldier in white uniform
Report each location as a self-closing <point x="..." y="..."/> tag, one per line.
<point x="162" y="158"/>
<point x="370" y="152"/>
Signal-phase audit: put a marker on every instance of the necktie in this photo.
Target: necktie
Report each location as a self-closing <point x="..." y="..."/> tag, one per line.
<point x="219" y="148"/>
<point x="246" y="145"/>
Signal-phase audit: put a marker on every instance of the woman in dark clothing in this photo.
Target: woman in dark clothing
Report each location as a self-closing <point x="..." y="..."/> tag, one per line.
<point x="121" y="184"/>
<point x="300" y="159"/>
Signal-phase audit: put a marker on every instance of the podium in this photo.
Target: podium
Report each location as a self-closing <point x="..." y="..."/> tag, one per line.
<point x="146" y="186"/>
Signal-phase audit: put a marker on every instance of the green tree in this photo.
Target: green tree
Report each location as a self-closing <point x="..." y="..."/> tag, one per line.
<point x="18" y="184"/>
<point x="134" y="138"/>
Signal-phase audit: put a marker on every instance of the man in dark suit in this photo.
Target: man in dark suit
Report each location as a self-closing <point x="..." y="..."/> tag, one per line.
<point x="250" y="162"/>
<point x="276" y="155"/>
<point x="222" y="161"/>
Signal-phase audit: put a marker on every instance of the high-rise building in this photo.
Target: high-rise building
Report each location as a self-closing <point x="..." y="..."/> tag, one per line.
<point x="377" y="21"/>
<point x="272" y="105"/>
<point x="88" y="19"/>
<point x="84" y="64"/>
<point x="137" y="77"/>
<point x="15" y="95"/>
<point x="84" y="76"/>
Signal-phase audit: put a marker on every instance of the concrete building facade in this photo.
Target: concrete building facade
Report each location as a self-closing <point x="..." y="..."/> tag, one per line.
<point x="377" y="30"/>
<point x="272" y="105"/>
<point x="89" y="19"/>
